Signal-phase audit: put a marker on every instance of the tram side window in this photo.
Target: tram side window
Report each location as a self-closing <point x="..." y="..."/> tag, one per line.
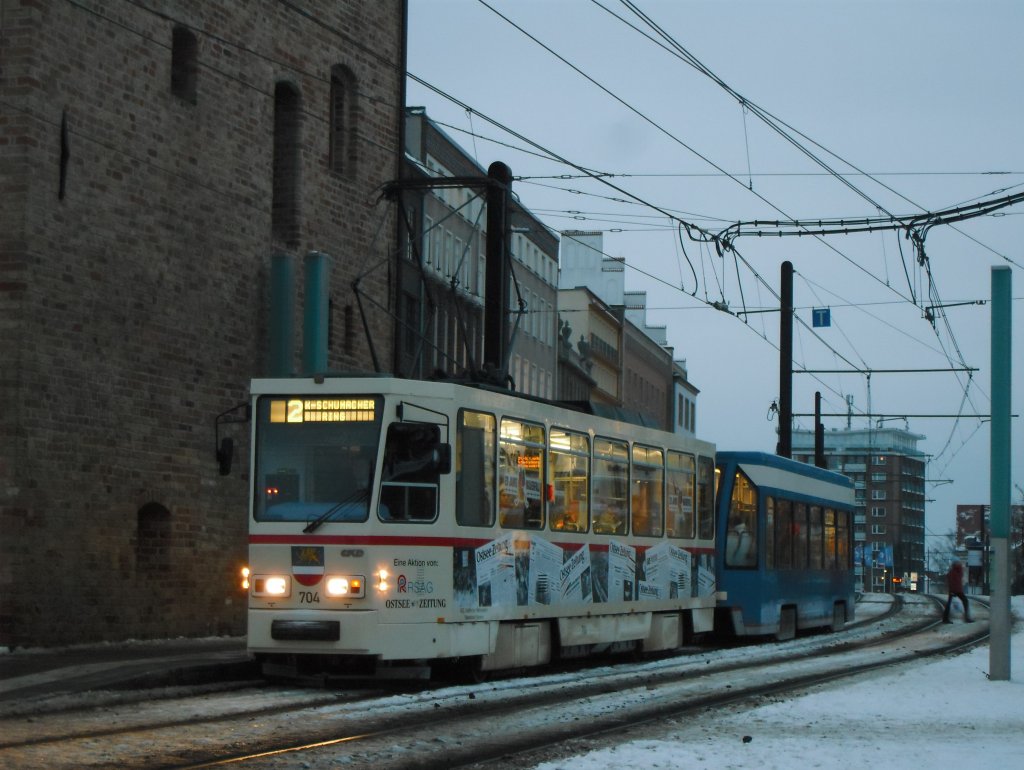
<point x="681" y="479"/>
<point x="784" y="534"/>
<point x="741" y="524"/>
<point x="816" y="538"/>
<point x="830" y="539"/>
<point x="569" y="477"/>
<point x="411" y="473"/>
<point x="705" y="498"/>
<point x="800" y="535"/>
<point x="611" y="486"/>
<point x="647" y="504"/>
<point x="843" y="540"/>
<point x="521" y="475"/>
<point x="475" y="469"/>
<point x="769" y="532"/>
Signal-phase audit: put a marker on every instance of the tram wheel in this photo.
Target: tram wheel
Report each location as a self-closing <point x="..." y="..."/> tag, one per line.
<point x="787" y="624"/>
<point x="473" y="670"/>
<point x="467" y="670"/>
<point x="838" y="618"/>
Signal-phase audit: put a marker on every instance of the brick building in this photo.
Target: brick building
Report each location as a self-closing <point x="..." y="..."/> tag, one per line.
<point x="153" y="157"/>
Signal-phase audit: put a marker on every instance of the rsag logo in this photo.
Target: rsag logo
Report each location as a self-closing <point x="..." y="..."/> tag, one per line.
<point x="406" y="586"/>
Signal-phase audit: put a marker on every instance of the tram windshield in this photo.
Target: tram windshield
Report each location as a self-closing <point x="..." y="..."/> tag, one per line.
<point x="315" y="458"/>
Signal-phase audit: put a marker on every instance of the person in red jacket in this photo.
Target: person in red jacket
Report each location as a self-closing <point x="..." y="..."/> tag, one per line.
<point x="955" y="584"/>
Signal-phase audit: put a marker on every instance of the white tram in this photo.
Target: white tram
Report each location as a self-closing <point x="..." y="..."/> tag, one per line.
<point x="395" y="523"/>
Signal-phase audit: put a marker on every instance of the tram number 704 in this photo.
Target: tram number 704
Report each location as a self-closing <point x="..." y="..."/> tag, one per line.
<point x="309" y="597"/>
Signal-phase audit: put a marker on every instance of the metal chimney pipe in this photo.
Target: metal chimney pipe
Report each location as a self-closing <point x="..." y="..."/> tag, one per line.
<point x="314" y="329"/>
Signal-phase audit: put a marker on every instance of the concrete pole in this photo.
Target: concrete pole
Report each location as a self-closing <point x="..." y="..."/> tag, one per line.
<point x="999" y="646"/>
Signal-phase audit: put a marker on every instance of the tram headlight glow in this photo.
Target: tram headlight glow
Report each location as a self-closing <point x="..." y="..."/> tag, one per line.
<point x="245" y="578"/>
<point x="344" y="585"/>
<point x="271" y="585"/>
<point x="382" y="580"/>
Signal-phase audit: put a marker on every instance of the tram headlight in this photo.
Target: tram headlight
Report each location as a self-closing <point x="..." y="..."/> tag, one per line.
<point x="345" y="585"/>
<point x="245" y="578"/>
<point x="382" y="580"/>
<point x="271" y="585"/>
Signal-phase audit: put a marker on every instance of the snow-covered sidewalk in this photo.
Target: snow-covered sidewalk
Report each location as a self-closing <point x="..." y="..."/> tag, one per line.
<point x="939" y="713"/>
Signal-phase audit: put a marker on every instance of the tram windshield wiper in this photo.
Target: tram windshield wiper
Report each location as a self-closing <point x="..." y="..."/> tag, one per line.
<point x="357" y="496"/>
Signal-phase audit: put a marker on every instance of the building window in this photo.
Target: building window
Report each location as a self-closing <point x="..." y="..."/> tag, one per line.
<point x="877" y="494"/>
<point x="878" y="477"/>
<point x="877" y="511"/>
<point x="878" y="459"/>
<point x="342" y="120"/>
<point x="184" y="58"/>
<point x="877" y="529"/>
<point x="286" y="183"/>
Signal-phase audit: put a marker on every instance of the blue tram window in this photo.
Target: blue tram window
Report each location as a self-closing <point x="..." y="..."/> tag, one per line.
<point x="741" y="524"/>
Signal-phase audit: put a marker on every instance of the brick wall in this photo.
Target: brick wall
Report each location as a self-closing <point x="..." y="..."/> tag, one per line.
<point x="133" y="306"/>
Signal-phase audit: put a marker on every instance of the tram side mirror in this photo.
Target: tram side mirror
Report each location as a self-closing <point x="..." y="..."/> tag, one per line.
<point x="442" y="457"/>
<point x="225" y="454"/>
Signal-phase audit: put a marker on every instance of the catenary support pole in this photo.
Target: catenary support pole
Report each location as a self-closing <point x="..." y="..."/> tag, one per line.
<point x="785" y="445"/>
<point x="819" y="433"/>
<point x="999" y="617"/>
<point x="497" y="277"/>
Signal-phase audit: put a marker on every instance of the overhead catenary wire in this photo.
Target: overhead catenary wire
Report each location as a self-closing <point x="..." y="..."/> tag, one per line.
<point x="606" y="182"/>
<point x="773" y="122"/>
<point x="690" y="228"/>
<point x="621" y="101"/>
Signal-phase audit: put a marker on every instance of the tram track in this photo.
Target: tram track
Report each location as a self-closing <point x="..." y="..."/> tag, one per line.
<point x="612" y="712"/>
<point x="456" y="723"/>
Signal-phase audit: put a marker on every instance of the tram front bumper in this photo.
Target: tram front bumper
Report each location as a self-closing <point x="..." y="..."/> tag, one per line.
<point x="362" y="633"/>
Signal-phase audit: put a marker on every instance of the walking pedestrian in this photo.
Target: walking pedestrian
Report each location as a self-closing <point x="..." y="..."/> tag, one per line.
<point x="955" y="586"/>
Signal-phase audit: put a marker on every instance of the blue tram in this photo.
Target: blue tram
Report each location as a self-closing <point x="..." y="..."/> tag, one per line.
<point x="784" y="546"/>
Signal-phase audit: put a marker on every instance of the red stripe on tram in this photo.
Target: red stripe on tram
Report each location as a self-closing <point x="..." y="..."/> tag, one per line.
<point x="408" y="540"/>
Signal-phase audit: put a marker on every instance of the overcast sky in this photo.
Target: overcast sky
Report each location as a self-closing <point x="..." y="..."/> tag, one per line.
<point x="924" y="97"/>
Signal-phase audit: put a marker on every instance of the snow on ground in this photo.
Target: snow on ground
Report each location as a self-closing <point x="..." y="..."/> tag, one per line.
<point x="941" y="713"/>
